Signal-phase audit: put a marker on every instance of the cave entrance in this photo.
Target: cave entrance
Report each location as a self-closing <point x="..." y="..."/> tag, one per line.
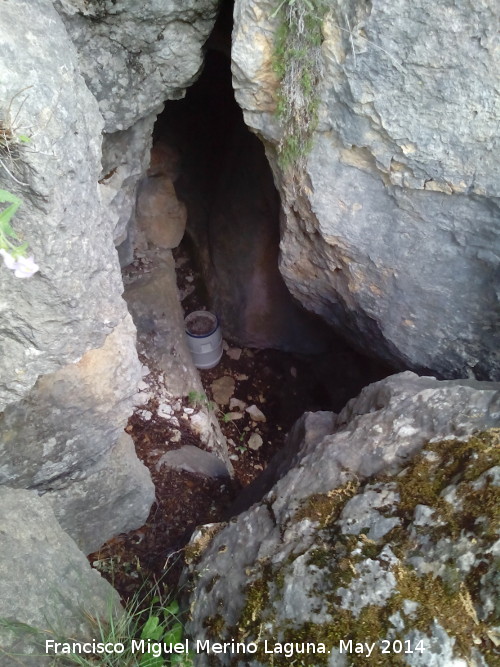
<point x="209" y="194"/>
<point x="222" y="176"/>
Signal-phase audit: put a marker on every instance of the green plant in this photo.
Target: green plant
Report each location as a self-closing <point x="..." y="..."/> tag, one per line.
<point x="199" y="399"/>
<point x="297" y="63"/>
<point x="135" y="638"/>
<point x="13" y="251"/>
<point x="12" y="139"/>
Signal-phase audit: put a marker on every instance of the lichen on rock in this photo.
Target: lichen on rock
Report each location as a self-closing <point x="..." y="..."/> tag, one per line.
<point x="403" y="559"/>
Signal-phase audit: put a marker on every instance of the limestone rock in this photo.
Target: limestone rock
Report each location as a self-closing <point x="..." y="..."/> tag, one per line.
<point x="39" y="448"/>
<point x="62" y="440"/>
<point x="125" y="158"/>
<point x="45" y="582"/>
<point x="160" y="214"/>
<point x="154" y="304"/>
<point x="255" y="413"/>
<point x="223" y="389"/>
<point x="195" y="460"/>
<point x="255" y="442"/>
<point x="393" y="235"/>
<point x="74" y="302"/>
<point x="152" y="49"/>
<point x="379" y="524"/>
<point x="114" y="497"/>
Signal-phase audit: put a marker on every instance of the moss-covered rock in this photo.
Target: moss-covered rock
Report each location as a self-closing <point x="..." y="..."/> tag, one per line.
<point x="396" y="567"/>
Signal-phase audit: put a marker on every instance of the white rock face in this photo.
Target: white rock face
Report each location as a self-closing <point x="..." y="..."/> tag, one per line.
<point x="393" y="238"/>
<point x="337" y="547"/>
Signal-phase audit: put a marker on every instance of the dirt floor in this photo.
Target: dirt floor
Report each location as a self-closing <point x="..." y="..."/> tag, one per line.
<point x="265" y="392"/>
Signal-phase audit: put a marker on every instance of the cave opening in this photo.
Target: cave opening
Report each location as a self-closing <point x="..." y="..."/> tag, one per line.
<point x="209" y="195"/>
<point x="222" y="176"/>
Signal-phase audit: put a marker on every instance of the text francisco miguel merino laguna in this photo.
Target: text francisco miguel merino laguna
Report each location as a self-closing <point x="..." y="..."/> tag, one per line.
<point x="288" y="649"/>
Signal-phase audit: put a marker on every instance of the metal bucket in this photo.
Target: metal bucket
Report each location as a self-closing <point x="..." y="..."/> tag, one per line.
<point x="204" y="338"/>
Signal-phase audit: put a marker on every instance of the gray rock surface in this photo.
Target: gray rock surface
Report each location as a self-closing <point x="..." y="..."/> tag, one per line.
<point x="74" y="301"/>
<point x="153" y="300"/>
<point x="66" y="439"/>
<point x="152" y="49"/>
<point x="125" y="158"/>
<point x="113" y="497"/>
<point x="96" y="395"/>
<point x="45" y="582"/>
<point x="195" y="460"/>
<point x="393" y="236"/>
<point x="379" y="526"/>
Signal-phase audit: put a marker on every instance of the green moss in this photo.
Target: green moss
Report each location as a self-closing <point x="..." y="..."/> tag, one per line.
<point x="215" y="626"/>
<point x="256" y="600"/>
<point x="450" y="598"/>
<point x="435" y="467"/>
<point x="452" y="606"/>
<point x="297" y="64"/>
<point x="325" y="508"/>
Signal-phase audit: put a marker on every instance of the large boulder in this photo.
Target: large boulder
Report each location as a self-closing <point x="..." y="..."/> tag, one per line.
<point x="382" y="527"/>
<point x="391" y="222"/>
<point x="66" y="438"/>
<point x="69" y="367"/>
<point x="47" y="589"/>
<point x="74" y="302"/>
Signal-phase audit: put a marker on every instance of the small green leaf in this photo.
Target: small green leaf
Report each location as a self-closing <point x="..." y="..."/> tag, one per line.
<point x="174" y="635"/>
<point x="152" y="629"/>
<point x="172" y="608"/>
<point x="23" y="138"/>
<point x="149" y="660"/>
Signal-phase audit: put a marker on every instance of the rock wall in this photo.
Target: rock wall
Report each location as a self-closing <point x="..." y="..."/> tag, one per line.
<point x="392" y="236"/>
<point x="68" y="365"/>
<point x="382" y="524"/>
<point x="134" y="56"/>
<point x="47" y="588"/>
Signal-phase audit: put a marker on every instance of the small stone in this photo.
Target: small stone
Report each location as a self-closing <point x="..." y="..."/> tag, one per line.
<point x="225" y="346"/>
<point x="176" y="436"/>
<point x="255" y="441"/>
<point x="256" y="414"/>
<point x="143" y="386"/>
<point x="222" y="389"/>
<point x="234" y="353"/>
<point x="165" y="410"/>
<point x="241" y="377"/>
<point x="233" y="416"/>
<point x="293" y="372"/>
<point x="236" y="403"/>
<point x="188" y="411"/>
<point x="194" y="460"/>
<point x="183" y="293"/>
<point x="189" y="279"/>
<point x="234" y="457"/>
<point x="145" y="414"/>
